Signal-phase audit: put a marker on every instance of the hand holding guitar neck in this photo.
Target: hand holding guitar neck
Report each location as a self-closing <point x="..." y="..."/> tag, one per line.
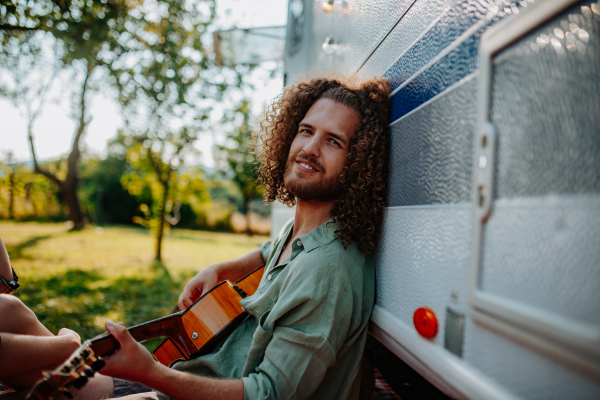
<point x="132" y="361"/>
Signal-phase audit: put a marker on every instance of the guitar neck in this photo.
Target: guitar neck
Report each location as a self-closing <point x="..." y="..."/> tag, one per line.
<point x="170" y="326"/>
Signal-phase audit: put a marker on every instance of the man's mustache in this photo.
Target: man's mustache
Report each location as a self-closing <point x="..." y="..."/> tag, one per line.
<point x="302" y="156"/>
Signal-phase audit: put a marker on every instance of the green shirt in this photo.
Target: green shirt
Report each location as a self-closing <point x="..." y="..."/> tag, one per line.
<point x="307" y="325"/>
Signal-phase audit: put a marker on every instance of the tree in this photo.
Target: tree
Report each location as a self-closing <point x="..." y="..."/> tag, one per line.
<point x="30" y="68"/>
<point x="163" y="73"/>
<point x="68" y="185"/>
<point x="156" y="161"/>
<point x="83" y="31"/>
<point x="240" y="161"/>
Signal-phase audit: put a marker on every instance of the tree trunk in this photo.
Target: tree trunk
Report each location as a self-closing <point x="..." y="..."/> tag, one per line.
<point x="70" y="197"/>
<point x="160" y="229"/>
<point x="246" y="210"/>
<point x="11" y="195"/>
<point x="29" y="198"/>
<point x="71" y="182"/>
<point x="68" y="187"/>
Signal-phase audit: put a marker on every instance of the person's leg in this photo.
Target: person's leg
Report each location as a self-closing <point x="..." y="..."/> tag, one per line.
<point x="18" y="318"/>
<point x="26" y="346"/>
<point x="126" y="390"/>
<point x="98" y="388"/>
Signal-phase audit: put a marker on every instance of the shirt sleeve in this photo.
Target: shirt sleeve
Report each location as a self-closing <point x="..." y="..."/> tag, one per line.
<point x="299" y="338"/>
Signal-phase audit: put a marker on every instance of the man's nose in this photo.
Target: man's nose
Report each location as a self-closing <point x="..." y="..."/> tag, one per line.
<point x="312" y="146"/>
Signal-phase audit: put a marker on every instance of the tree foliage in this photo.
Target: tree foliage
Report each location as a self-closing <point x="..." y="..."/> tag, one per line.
<point x="81" y="31"/>
<point x="26" y="196"/>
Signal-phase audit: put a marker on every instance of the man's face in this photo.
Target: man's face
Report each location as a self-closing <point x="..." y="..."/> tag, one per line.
<point x="318" y="152"/>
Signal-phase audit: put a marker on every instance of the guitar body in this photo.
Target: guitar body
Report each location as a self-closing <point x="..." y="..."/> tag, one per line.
<point x="189" y="333"/>
<point x="209" y="319"/>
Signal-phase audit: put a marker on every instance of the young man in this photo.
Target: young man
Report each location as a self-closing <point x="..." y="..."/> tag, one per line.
<point x="323" y="148"/>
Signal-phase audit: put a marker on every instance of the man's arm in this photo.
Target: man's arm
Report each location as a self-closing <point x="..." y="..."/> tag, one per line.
<point x="206" y="279"/>
<point x="175" y="384"/>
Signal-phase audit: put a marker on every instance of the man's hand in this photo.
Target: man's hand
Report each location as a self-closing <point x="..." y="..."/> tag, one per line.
<point x="132" y="361"/>
<point x="199" y="284"/>
<point x="216" y="273"/>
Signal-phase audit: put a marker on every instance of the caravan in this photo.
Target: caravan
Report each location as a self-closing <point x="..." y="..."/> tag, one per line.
<point x="488" y="279"/>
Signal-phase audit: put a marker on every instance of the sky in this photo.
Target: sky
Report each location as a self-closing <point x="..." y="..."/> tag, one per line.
<point x="54" y="129"/>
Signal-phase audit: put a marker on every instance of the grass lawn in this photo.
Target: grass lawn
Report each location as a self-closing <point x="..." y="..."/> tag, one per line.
<point x="80" y="279"/>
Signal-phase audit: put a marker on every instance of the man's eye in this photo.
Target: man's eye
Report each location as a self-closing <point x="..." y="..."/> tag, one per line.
<point x="305" y="131"/>
<point x="335" y="142"/>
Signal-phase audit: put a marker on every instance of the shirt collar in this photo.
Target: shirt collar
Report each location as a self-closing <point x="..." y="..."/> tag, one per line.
<point x="319" y="236"/>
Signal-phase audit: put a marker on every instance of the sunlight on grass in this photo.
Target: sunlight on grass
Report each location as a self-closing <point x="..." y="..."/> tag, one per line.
<point x="81" y="279"/>
<point x="112" y="315"/>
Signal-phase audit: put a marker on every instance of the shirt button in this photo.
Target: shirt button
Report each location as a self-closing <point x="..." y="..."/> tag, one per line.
<point x="298" y="242"/>
<point x="269" y="277"/>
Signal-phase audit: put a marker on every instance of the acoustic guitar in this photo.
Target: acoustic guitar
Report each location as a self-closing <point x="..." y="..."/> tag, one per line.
<point x="189" y="334"/>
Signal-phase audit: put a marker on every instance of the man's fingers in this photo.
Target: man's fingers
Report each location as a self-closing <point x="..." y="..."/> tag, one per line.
<point x="184" y="304"/>
<point x="119" y="332"/>
<point x="188" y="296"/>
<point x="124" y="362"/>
<point x="181" y="301"/>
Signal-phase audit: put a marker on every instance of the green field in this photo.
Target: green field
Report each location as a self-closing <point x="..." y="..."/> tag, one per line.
<point x="80" y="279"/>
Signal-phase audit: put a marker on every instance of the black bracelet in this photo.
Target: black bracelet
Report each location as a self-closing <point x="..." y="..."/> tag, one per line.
<point x="9" y="287"/>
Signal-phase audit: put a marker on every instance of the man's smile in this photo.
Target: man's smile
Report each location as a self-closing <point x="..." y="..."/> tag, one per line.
<point x="307" y="165"/>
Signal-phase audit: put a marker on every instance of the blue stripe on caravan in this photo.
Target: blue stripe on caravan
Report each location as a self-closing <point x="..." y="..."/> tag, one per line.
<point x="446" y="72"/>
<point x="445" y="31"/>
<point x="449" y="69"/>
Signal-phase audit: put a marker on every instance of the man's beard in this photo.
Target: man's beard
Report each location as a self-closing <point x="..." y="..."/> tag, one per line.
<point x="327" y="189"/>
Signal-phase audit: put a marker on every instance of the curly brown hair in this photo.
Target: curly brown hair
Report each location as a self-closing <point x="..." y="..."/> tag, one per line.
<point x="359" y="210"/>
